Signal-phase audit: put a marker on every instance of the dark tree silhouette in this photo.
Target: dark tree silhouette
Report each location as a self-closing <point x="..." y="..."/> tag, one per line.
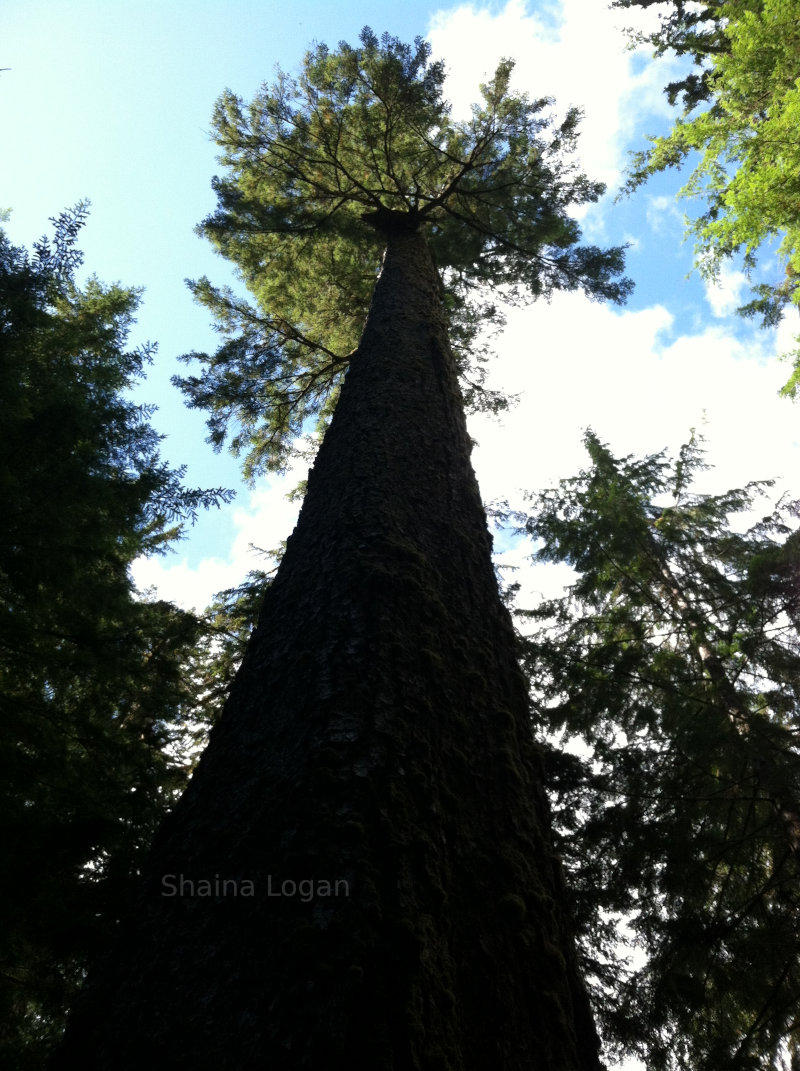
<point x="368" y="820"/>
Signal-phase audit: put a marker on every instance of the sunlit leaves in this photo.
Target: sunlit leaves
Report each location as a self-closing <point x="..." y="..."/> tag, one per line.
<point x="319" y="168"/>
<point x="742" y="115"/>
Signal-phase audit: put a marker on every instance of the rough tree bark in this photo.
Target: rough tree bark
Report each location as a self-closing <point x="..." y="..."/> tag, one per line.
<point x="377" y="737"/>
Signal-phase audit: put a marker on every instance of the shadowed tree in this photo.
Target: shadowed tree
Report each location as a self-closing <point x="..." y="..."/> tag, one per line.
<point x="361" y="872"/>
<point x="93" y="684"/>
<point x="675" y="660"/>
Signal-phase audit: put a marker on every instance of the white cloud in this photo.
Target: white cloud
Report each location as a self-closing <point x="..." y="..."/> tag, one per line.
<point x="662" y="214"/>
<point x="191" y="587"/>
<point x="633" y="242"/>
<point x="266" y="521"/>
<point x="724" y="293"/>
<point x="579" y="364"/>
<point x="580" y="59"/>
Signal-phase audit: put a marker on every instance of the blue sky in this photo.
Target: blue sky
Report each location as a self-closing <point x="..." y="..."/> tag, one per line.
<point x="112" y="102"/>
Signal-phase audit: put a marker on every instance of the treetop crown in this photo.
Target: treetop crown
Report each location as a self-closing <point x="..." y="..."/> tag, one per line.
<point x="322" y="167"/>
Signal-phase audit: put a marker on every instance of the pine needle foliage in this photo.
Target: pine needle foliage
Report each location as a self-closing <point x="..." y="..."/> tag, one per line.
<point x="319" y="168"/>
<point x="674" y="663"/>
<point x="93" y="678"/>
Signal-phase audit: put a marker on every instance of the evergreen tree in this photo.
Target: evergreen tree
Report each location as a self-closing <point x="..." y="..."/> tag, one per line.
<point x="92" y="684"/>
<point x="318" y="168"/>
<point x="688" y="29"/>
<point x="675" y="660"/>
<point x="741" y="113"/>
<point x="375" y="750"/>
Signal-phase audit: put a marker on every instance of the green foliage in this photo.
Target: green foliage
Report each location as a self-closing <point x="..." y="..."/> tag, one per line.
<point x="93" y="683"/>
<point x="747" y="173"/>
<point x="320" y="170"/>
<point x="686" y="28"/>
<point x="672" y="667"/>
<point x="229" y="622"/>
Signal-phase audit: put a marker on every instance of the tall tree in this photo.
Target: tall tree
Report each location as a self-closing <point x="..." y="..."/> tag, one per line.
<point x="360" y="872"/>
<point x="741" y="113"/>
<point x="675" y="660"/>
<point x="318" y="167"/>
<point x="92" y="687"/>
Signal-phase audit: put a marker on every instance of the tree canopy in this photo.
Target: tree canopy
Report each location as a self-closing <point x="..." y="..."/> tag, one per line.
<point x="320" y="167"/>
<point x="94" y="679"/>
<point x="674" y="660"/>
<point x="741" y="114"/>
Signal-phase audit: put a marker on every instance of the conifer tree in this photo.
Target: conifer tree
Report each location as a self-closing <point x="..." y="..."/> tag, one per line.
<point x="360" y="873"/>
<point x="675" y="660"/>
<point x="741" y="113"/>
<point x="319" y="168"/>
<point x="92" y="678"/>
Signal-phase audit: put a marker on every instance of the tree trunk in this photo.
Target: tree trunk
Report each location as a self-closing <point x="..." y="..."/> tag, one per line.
<point x="368" y="816"/>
